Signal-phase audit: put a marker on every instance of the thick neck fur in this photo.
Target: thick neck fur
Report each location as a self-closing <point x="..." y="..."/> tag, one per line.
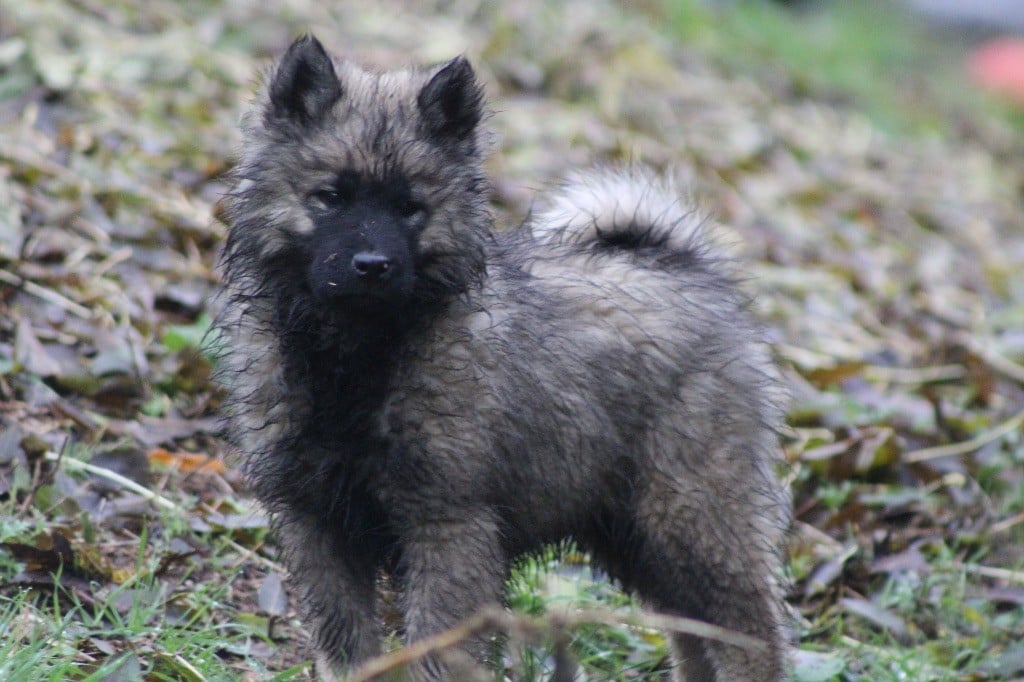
<point x="341" y="364"/>
<point x="342" y="359"/>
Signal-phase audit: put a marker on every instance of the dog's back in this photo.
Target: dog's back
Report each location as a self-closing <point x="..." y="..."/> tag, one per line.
<point x="619" y="393"/>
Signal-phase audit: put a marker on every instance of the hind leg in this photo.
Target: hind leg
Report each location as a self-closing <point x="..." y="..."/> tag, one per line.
<point x="714" y="559"/>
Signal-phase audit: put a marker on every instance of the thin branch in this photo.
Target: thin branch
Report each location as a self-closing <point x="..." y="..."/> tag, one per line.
<point x="1008" y="368"/>
<point x="489" y="619"/>
<point x="1006" y="524"/>
<point x="497" y="619"/>
<point x="156" y="498"/>
<point x="660" y="621"/>
<point x="114" y="477"/>
<point x="914" y="375"/>
<point x="253" y="554"/>
<point x="993" y="572"/>
<point x="964" y="447"/>
<point x="48" y="295"/>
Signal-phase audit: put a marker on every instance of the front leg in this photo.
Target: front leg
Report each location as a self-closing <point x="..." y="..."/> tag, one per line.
<point x="336" y="583"/>
<point x="452" y="569"/>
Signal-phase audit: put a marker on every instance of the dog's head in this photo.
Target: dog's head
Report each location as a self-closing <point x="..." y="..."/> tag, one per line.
<point x="371" y="182"/>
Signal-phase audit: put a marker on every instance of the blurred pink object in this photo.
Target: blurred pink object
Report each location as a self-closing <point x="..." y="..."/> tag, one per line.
<point x="998" y="66"/>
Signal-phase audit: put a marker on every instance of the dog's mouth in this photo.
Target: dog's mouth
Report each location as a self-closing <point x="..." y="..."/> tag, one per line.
<point x="347" y="296"/>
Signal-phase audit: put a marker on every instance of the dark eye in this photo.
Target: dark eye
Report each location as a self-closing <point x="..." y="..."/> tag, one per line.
<point x="344" y="189"/>
<point x="412" y="210"/>
<point x="327" y="196"/>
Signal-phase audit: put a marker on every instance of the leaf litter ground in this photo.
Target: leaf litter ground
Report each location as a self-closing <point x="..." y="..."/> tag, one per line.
<point x="886" y="259"/>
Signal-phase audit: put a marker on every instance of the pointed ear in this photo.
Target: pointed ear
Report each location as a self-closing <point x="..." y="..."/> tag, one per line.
<point x="304" y="85"/>
<point x="452" y="102"/>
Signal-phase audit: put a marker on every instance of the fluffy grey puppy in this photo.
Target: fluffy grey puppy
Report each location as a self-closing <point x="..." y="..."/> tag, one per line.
<point x="417" y="394"/>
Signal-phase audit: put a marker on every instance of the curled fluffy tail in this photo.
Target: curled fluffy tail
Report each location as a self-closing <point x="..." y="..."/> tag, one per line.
<point x="627" y="208"/>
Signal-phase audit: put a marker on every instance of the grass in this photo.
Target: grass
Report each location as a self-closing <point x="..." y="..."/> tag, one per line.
<point x="560" y="579"/>
<point x="154" y="601"/>
<point x="871" y="55"/>
<point x="171" y="637"/>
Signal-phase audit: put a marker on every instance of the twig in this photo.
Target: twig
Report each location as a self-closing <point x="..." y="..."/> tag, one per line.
<point x="114" y="477"/>
<point x="252" y="553"/>
<point x="992" y="572"/>
<point x="962" y="448"/>
<point x="48" y="295"/>
<point x="182" y="665"/>
<point x="497" y="619"/>
<point x="1008" y="368"/>
<point x="489" y="619"/>
<point x="156" y="498"/>
<point x="1006" y="524"/>
<point x="660" y="621"/>
<point x="914" y="375"/>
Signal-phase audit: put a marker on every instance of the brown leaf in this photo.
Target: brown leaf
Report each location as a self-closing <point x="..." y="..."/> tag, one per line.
<point x="48" y="554"/>
<point x="186" y="462"/>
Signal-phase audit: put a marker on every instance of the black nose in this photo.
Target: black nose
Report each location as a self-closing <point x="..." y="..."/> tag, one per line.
<point x="372" y="266"/>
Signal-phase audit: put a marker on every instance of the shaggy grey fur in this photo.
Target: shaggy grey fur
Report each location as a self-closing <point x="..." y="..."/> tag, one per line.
<point x="417" y="394"/>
